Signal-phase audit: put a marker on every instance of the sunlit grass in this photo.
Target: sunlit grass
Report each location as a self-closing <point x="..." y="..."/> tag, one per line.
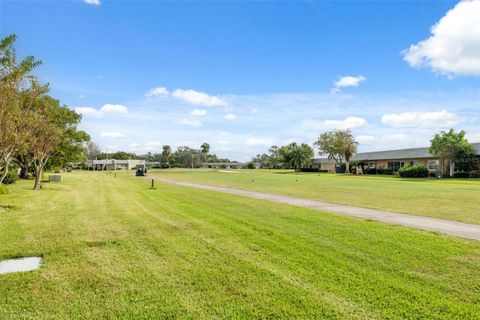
<point x="113" y="248"/>
<point x="453" y="199"/>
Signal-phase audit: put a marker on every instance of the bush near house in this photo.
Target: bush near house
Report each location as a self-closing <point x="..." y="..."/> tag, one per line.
<point x="10" y="178"/>
<point x="379" y="171"/>
<point x="461" y="175"/>
<point x="475" y="174"/>
<point x="415" y="171"/>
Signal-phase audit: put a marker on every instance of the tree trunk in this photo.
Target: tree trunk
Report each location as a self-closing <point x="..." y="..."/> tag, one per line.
<point x="347" y="166"/>
<point x="5" y="171"/>
<point x="452" y="168"/>
<point x="38" y="176"/>
<point x="24" y="166"/>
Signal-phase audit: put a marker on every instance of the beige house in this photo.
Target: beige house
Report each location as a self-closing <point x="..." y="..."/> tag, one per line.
<point x="393" y="160"/>
<point x="324" y="164"/>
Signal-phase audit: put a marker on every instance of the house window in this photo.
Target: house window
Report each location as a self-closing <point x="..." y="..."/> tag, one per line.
<point x="395" y="165"/>
<point x="371" y="164"/>
<point x="433" y="165"/>
<point x="413" y="162"/>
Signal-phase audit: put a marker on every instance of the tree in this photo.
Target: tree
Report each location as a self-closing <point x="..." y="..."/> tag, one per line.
<point x="205" y="149"/>
<point x="92" y="150"/>
<point x="149" y="157"/>
<point x="47" y="135"/>
<point x="166" y="154"/>
<point x="338" y="145"/>
<point x="72" y="146"/>
<point x="451" y="146"/>
<point x="296" y="156"/>
<point x="274" y="157"/>
<point x="18" y="90"/>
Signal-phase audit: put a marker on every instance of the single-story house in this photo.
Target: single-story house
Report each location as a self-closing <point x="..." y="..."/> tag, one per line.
<point x="393" y="159"/>
<point x="324" y="164"/>
<point x="113" y="164"/>
<point x="228" y="165"/>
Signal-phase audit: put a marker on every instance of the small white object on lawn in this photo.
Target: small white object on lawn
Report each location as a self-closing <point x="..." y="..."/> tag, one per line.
<point x="20" y="264"/>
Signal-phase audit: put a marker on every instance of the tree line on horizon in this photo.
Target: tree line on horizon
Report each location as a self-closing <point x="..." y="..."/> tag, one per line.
<point x="182" y="157"/>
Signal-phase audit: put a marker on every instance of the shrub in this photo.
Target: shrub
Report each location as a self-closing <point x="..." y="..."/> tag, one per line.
<point x="10" y="178"/>
<point x="310" y="169"/>
<point x="371" y="171"/>
<point x="415" y="171"/>
<point x="4" y="189"/>
<point x="475" y="174"/>
<point x="250" y="165"/>
<point x="387" y="171"/>
<point x="461" y="175"/>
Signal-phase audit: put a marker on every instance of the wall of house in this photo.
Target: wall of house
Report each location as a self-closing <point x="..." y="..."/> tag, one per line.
<point x="383" y="164"/>
<point x="328" y="166"/>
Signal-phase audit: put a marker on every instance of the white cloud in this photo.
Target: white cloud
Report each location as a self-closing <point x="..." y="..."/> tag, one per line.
<point x="88" y="111"/>
<point x="159" y="91"/>
<point x="421" y="119"/>
<point x="454" y="45"/>
<point x="113" y="108"/>
<point x="198" y="112"/>
<point x="365" y="139"/>
<point x="473" y="136"/>
<point x="347" y="123"/>
<point x="230" y="116"/>
<point x="199" y="98"/>
<point x="347" y="81"/>
<point x="133" y="145"/>
<point x="307" y="127"/>
<point x="262" y="142"/>
<point x="111" y="134"/>
<point x="95" y="2"/>
<point x="107" y="108"/>
<point x="190" y="122"/>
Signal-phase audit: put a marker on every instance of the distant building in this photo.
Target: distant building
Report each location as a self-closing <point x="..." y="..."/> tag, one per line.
<point x="324" y="164"/>
<point x="226" y="165"/>
<point x="393" y="159"/>
<point x="113" y="164"/>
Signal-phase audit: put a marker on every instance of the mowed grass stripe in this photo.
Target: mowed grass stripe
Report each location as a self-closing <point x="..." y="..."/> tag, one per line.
<point x="122" y="250"/>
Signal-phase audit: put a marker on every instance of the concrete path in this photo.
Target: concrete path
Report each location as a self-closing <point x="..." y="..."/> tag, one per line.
<point x="464" y="230"/>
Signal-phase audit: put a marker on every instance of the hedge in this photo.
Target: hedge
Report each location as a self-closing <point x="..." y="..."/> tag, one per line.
<point x="415" y="171"/>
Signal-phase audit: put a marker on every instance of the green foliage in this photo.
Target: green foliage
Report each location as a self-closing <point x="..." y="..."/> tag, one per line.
<point x="453" y="147"/>
<point x="339" y="145"/>
<point x="250" y="165"/>
<point x="296" y="156"/>
<point x="10" y="178"/>
<point x="4" y="189"/>
<point x="414" y="171"/>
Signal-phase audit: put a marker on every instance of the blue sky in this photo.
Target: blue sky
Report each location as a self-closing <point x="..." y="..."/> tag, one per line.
<point x="245" y="75"/>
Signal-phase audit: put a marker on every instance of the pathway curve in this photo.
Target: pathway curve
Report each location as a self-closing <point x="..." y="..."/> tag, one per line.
<point x="464" y="230"/>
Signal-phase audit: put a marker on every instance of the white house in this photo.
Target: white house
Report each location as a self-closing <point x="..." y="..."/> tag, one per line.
<point x="113" y="164"/>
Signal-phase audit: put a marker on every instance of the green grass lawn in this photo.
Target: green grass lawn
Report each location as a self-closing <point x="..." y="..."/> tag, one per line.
<point x="112" y="248"/>
<point x="452" y="199"/>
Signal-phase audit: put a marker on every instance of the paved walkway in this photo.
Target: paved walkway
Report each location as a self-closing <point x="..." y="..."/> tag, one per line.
<point x="464" y="230"/>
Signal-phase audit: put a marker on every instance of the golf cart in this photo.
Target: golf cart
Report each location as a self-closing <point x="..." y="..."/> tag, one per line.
<point x="141" y="170"/>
